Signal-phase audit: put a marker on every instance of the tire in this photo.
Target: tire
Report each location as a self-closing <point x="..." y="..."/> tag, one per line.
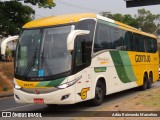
<point x="145" y="82"/>
<point x="99" y="95"/>
<point x="149" y="84"/>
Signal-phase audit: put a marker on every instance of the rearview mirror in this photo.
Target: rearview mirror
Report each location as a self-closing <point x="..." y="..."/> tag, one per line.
<point x="72" y="36"/>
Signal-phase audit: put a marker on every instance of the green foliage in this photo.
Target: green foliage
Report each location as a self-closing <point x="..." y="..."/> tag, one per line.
<point x="144" y="20"/>
<point x="127" y="19"/>
<point x="13" y="16"/>
<point x="42" y="3"/>
<point x="5" y="89"/>
<point x="8" y="52"/>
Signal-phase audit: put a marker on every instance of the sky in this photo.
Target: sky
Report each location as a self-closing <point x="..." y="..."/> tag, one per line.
<point x="91" y="6"/>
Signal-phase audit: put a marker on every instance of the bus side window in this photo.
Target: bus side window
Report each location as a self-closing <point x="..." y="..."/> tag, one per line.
<point x="128" y="41"/>
<point x="117" y="38"/>
<point x="150" y="45"/>
<point x="99" y="38"/>
<point x="78" y="57"/>
<point x="154" y="45"/>
<point x="147" y="44"/>
<point x="138" y="46"/>
<point x="82" y="53"/>
<point x="81" y="56"/>
<point x="102" y="37"/>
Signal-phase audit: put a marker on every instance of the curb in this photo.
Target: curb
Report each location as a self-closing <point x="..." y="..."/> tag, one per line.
<point x="6" y="95"/>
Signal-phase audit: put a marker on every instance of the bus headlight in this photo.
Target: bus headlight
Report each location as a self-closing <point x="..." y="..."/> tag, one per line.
<point x="17" y="87"/>
<point x="65" y="85"/>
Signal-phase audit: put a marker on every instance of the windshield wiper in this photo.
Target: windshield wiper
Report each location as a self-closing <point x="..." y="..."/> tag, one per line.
<point x="46" y="64"/>
<point x="31" y="63"/>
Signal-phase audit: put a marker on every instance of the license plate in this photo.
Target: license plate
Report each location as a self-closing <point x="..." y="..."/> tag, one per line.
<point x="38" y="101"/>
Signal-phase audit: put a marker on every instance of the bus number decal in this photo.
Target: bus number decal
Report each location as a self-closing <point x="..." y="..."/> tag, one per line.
<point x="28" y="85"/>
<point x="83" y="93"/>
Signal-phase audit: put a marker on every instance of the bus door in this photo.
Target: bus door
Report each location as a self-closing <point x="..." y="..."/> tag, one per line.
<point x="81" y="69"/>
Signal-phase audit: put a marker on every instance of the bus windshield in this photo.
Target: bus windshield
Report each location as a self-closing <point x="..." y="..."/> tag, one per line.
<point x="43" y="52"/>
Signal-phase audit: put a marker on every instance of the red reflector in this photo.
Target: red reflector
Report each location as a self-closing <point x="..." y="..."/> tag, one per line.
<point x="38" y="101"/>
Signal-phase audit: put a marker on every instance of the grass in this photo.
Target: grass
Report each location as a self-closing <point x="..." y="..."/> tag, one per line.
<point x="5" y="89"/>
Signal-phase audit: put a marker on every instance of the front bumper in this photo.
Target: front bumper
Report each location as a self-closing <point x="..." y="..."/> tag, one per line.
<point x="49" y="98"/>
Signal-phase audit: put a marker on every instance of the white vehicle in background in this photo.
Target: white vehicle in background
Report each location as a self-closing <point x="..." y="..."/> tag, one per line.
<point x="4" y="45"/>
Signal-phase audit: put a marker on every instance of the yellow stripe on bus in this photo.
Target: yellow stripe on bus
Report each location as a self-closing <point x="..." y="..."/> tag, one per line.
<point x="58" y="20"/>
<point x="131" y="29"/>
<point x="26" y="84"/>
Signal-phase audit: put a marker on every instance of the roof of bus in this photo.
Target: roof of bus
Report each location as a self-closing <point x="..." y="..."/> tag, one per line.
<point x="125" y="27"/>
<point x="58" y="20"/>
<point x="69" y="18"/>
<point x="132" y="29"/>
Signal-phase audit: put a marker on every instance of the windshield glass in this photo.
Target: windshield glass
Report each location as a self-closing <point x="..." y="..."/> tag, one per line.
<point x="55" y="58"/>
<point x="28" y="50"/>
<point x="43" y="52"/>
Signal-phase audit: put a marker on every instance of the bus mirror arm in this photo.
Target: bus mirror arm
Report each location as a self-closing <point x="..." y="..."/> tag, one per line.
<point x="72" y="36"/>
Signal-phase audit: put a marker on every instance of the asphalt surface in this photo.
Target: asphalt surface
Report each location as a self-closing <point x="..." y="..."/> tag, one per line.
<point x="8" y="104"/>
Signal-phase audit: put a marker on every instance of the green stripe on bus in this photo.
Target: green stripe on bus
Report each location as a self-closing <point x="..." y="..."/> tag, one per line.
<point x="51" y="83"/>
<point x="127" y="65"/>
<point x="43" y="84"/>
<point x="123" y="66"/>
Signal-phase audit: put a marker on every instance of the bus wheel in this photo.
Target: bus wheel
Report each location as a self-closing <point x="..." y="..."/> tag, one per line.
<point x="99" y="94"/>
<point x="145" y="82"/>
<point x="149" y="84"/>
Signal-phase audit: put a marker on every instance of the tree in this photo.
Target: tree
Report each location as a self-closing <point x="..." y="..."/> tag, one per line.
<point x="13" y="16"/>
<point x="41" y="3"/>
<point x="146" y="20"/>
<point x="127" y="19"/>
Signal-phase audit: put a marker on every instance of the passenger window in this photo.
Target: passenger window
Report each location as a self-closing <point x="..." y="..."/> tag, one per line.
<point x="102" y="38"/>
<point x="107" y="37"/>
<point x="154" y="45"/>
<point x="129" y="42"/>
<point x="117" y="39"/>
<point x="110" y="37"/>
<point x="139" y="43"/>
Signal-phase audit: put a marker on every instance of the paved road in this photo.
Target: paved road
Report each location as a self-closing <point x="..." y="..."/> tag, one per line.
<point x="8" y="104"/>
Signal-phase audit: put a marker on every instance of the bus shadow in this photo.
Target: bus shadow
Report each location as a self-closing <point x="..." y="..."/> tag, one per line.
<point x="84" y="108"/>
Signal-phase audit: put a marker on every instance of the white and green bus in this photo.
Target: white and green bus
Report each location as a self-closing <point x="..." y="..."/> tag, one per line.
<point x="73" y="58"/>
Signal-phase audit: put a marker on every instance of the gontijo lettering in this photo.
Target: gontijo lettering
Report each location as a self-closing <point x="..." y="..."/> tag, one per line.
<point x="142" y="58"/>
